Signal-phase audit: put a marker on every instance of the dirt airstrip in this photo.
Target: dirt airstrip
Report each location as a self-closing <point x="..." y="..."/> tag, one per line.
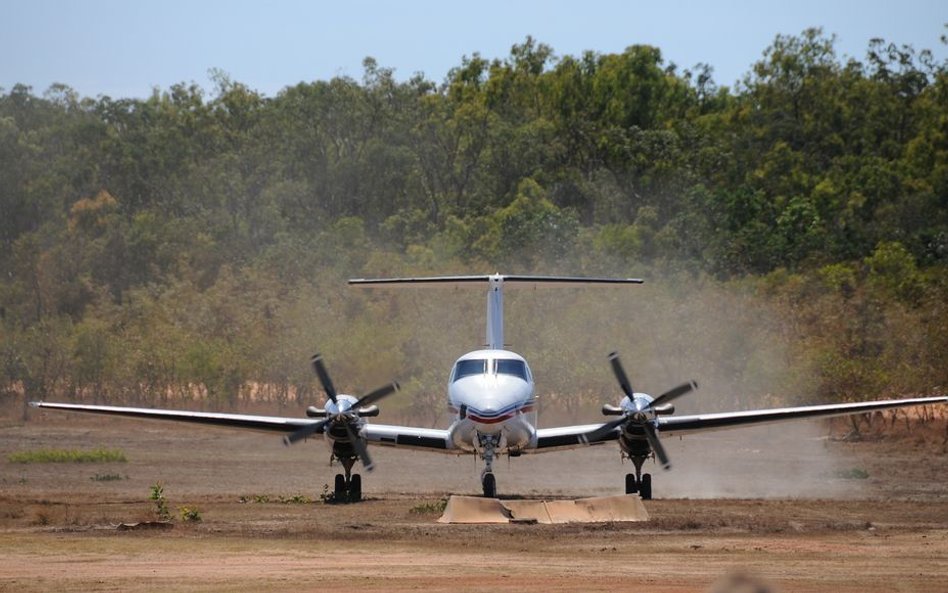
<point x="792" y="509"/>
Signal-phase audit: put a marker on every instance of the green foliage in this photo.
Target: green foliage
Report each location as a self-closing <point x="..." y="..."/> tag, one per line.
<point x="189" y="514"/>
<point x="193" y="245"/>
<point x="108" y="477"/>
<point x="157" y="496"/>
<point x="433" y="507"/>
<point x="68" y="456"/>
<point x="893" y="270"/>
<point x="327" y="496"/>
<point x="281" y="499"/>
<point x="856" y="473"/>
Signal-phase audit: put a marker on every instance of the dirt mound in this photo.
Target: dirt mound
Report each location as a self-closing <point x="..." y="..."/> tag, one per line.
<point x="473" y="509"/>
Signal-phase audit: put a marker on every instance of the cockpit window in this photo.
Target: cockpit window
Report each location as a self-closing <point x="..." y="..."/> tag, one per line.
<point x="517" y="368"/>
<point x="466" y="368"/>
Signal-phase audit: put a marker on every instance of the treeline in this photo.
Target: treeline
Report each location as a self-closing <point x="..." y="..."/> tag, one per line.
<point x="192" y="246"/>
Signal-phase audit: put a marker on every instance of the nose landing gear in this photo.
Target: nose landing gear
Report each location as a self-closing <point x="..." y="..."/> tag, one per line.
<point x="488" y="481"/>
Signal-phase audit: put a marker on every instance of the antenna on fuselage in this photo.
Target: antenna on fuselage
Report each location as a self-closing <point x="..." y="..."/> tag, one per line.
<point x="495" y="291"/>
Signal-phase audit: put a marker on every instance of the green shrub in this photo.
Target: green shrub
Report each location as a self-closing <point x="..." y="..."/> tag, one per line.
<point x="190" y="514"/>
<point x="430" y="507"/>
<point x="108" y="477"/>
<point x="68" y="456"/>
<point x="161" y="505"/>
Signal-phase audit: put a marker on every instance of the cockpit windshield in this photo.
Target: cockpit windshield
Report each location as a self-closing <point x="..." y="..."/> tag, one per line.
<point x="466" y="368"/>
<point x="515" y="368"/>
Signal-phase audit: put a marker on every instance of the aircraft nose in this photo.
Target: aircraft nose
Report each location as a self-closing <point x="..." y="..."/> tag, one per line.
<point x="489" y="408"/>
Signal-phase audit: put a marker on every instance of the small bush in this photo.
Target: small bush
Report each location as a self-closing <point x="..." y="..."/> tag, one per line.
<point x="856" y="473"/>
<point x="295" y="499"/>
<point x="68" y="456"/>
<point x="107" y="477"/>
<point x="254" y="499"/>
<point x="161" y="505"/>
<point x="429" y="508"/>
<point x="327" y="495"/>
<point x="190" y="515"/>
<point x="266" y="498"/>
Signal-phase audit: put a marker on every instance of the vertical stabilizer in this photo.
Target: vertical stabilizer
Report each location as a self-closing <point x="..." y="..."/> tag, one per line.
<point x="495" y="313"/>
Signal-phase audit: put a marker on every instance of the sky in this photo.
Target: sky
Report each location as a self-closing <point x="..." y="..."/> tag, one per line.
<point x="126" y="48"/>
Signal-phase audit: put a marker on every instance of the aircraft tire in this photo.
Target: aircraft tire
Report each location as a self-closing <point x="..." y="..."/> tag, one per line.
<point x="490" y="486"/>
<point x="645" y="488"/>
<point x="339" y="491"/>
<point x="631" y="487"/>
<point x="355" y="488"/>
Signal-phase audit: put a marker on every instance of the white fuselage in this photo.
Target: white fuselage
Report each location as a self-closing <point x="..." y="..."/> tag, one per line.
<point x="492" y="393"/>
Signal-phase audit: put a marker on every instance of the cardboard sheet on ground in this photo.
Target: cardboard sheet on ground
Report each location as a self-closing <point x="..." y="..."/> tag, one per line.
<point x="474" y="509"/>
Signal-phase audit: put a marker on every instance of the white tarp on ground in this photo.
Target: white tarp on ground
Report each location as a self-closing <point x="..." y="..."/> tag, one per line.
<point x="475" y="509"/>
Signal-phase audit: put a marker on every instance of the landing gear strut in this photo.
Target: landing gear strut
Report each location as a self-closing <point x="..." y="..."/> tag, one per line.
<point x="639" y="482"/>
<point x="488" y="481"/>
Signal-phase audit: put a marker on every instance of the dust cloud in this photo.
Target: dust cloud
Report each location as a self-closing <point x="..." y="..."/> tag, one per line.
<point x="672" y="329"/>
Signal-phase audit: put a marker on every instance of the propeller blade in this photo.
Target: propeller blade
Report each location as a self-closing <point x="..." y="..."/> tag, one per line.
<point x="620" y="374"/>
<point x="675" y="393"/>
<point x="371" y="398"/>
<point x="304" y="432"/>
<point x="361" y="450"/>
<point x="320" y="369"/>
<point x="602" y="431"/>
<point x="656" y="445"/>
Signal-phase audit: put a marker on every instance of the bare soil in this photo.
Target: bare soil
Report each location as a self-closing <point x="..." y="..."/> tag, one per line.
<point x="795" y="510"/>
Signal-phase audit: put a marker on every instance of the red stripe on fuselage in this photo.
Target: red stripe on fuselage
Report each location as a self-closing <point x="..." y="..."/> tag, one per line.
<point x="495" y="420"/>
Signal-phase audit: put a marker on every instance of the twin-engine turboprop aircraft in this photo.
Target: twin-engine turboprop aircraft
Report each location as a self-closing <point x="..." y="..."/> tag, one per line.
<point x="491" y="391"/>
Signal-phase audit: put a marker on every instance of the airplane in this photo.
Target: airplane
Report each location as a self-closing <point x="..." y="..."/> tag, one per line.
<point x="491" y="392"/>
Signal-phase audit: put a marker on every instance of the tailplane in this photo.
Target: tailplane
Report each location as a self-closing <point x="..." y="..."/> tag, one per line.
<point x="495" y="291"/>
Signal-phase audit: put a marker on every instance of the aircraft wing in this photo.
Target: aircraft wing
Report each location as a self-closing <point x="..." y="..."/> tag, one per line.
<point x="408" y="437"/>
<point x="245" y="421"/>
<point x="681" y="425"/>
<point x="378" y="434"/>
<point x="567" y="437"/>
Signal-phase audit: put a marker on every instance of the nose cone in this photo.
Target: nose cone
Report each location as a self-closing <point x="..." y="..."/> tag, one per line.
<point x="490" y="401"/>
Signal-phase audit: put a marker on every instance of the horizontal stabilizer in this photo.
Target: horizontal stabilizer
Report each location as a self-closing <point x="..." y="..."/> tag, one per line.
<point x="509" y="280"/>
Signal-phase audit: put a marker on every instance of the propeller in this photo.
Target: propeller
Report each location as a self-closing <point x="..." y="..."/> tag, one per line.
<point x="344" y="417"/>
<point x="639" y="416"/>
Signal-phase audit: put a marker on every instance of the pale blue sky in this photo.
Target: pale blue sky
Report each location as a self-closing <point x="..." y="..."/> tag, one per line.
<point x="125" y="48"/>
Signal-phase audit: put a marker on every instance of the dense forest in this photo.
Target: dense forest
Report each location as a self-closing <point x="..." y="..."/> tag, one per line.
<point x="192" y="248"/>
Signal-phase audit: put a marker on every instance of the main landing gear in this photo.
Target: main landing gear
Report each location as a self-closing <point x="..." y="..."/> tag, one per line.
<point x="638" y="482"/>
<point x="642" y="486"/>
<point x="347" y="490"/>
<point x="348" y="487"/>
